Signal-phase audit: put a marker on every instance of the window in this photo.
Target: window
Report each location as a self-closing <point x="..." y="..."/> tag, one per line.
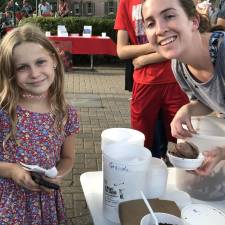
<point x="110" y="8"/>
<point x="77" y="9"/>
<point x="89" y="8"/>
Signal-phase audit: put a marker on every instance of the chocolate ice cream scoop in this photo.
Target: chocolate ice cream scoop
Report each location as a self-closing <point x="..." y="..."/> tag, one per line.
<point x="184" y="150"/>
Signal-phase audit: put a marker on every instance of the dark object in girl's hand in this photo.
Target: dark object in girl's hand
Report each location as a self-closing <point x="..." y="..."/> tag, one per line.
<point x="37" y="178"/>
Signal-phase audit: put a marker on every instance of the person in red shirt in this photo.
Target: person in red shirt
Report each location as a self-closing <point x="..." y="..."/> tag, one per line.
<point x="155" y="88"/>
<point x="63" y="8"/>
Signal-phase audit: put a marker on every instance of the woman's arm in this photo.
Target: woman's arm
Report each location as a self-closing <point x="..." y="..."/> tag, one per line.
<point x="127" y="51"/>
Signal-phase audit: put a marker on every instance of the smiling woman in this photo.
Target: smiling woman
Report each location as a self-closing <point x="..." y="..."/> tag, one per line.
<point x="177" y="32"/>
<point x="175" y="18"/>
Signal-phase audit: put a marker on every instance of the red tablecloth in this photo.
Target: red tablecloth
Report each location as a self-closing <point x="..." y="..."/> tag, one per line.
<point x="85" y="45"/>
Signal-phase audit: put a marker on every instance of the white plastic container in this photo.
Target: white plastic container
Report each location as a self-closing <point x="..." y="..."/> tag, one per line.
<point x="201" y="214"/>
<point x="211" y="133"/>
<point x="125" y="168"/>
<point x="126" y="135"/>
<point x="157" y="178"/>
<point x="62" y="31"/>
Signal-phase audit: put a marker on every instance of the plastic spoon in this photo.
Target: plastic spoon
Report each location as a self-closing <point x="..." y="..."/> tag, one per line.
<point x="150" y="209"/>
<point x="52" y="172"/>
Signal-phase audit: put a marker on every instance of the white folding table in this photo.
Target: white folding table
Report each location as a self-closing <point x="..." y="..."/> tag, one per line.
<point x="92" y="184"/>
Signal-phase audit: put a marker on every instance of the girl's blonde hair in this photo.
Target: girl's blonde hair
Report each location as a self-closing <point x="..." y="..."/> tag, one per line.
<point x="10" y="92"/>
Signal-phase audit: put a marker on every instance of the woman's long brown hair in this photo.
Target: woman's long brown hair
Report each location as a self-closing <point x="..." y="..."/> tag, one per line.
<point x="190" y="10"/>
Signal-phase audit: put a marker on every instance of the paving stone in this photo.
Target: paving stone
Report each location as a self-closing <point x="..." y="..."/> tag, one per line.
<point x="102" y="103"/>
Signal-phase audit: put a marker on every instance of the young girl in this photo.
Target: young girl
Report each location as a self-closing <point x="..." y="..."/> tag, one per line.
<point x="37" y="127"/>
<point x="173" y="28"/>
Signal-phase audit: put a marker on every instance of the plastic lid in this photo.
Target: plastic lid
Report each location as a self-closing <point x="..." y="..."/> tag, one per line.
<point x="122" y="134"/>
<point x="196" y="214"/>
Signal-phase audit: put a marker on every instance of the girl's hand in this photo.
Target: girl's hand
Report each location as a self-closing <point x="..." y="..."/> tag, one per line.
<point x="212" y="158"/>
<point x="23" y="178"/>
<point x="56" y="180"/>
<point x="182" y="117"/>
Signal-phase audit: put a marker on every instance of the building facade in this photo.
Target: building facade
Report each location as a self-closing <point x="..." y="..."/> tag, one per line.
<point x="99" y="8"/>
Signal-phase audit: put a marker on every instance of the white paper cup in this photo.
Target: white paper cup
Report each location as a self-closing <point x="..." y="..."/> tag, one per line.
<point x="47" y="33"/>
<point x="103" y="34"/>
<point x="75" y="35"/>
<point x="162" y="218"/>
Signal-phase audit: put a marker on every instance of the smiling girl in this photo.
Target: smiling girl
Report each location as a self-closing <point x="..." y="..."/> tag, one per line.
<point x="37" y="127"/>
<point x="175" y="30"/>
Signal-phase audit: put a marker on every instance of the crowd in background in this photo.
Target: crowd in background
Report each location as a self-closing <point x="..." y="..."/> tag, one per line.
<point x="214" y="12"/>
<point x="14" y="12"/>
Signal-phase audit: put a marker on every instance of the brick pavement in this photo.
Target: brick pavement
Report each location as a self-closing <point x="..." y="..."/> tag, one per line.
<point x="102" y="103"/>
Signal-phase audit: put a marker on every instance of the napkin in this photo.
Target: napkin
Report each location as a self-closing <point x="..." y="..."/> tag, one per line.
<point x="131" y="212"/>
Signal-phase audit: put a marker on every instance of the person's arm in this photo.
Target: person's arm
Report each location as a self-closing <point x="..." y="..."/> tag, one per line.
<point x="39" y="10"/>
<point x="66" y="10"/>
<point x="65" y="164"/>
<point x="141" y="54"/>
<point x="19" y="175"/>
<point x="147" y="59"/>
<point x="66" y="161"/>
<point x="127" y="51"/>
<point x="183" y="117"/>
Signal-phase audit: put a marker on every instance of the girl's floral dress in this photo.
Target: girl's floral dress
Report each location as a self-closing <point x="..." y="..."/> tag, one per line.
<point x="39" y="144"/>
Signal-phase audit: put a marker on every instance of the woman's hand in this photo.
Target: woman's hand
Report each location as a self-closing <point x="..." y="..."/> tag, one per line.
<point x="182" y="117"/>
<point x="23" y="178"/>
<point x="212" y="158"/>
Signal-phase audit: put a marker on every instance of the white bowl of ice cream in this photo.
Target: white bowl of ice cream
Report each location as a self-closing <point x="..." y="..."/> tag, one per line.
<point x="163" y="218"/>
<point x="185" y="156"/>
<point x="186" y="164"/>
